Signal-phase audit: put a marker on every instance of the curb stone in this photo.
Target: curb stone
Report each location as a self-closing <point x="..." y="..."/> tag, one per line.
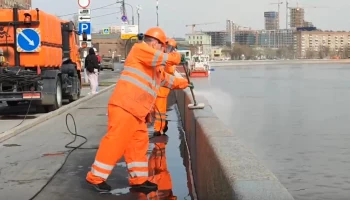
<point x="19" y="129"/>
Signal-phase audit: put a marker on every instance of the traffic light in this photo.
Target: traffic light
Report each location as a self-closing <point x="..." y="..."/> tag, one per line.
<point x="84" y="37"/>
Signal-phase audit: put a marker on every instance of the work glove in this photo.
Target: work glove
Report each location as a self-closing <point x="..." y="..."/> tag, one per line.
<point x="191" y="86"/>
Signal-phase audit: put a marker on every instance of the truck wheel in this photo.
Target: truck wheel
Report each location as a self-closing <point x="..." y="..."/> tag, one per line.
<point x="12" y="103"/>
<point x="58" y="97"/>
<point x="76" y="96"/>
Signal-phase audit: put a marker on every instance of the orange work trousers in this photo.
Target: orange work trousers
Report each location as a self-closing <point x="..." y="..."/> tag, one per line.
<point x="128" y="136"/>
<point x="160" y="114"/>
<point x="159" y="174"/>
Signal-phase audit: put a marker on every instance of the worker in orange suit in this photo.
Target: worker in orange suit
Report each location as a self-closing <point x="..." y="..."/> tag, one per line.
<point x="160" y="122"/>
<point x="129" y="108"/>
<point x="158" y="173"/>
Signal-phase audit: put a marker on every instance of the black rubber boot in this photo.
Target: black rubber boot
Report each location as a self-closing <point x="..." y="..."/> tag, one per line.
<point x="102" y="187"/>
<point x="145" y="187"/>
<point x="156" y="134"/>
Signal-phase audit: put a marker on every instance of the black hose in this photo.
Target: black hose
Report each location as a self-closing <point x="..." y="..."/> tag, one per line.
<point x="68" y="146"/>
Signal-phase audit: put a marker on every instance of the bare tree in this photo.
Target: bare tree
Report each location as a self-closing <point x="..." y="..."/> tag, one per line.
<point x="345" y="53"/>
<point x="75" y="21"/>
<point x="236" y="52"/>
<point x="324" y="52"/>
<point x="270" y="53"/>
<point x="309" y="54"/>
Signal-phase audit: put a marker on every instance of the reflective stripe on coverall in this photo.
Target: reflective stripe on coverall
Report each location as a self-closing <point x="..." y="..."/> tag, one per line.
<point x="161" y="103"/>
<point x="159" y="174"/>
<point x="131" y="101"/>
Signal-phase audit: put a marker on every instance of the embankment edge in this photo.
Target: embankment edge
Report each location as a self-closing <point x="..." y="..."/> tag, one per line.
<point x="223" y="168"/>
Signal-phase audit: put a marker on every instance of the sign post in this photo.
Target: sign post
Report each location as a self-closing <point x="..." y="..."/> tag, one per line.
<point x="84" y="19"/>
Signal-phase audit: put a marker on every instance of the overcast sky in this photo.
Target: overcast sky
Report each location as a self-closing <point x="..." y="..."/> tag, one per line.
<point x="174" y="15"/>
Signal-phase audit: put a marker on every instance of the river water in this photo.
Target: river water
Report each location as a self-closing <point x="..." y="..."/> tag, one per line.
<point x="296" y="118"/>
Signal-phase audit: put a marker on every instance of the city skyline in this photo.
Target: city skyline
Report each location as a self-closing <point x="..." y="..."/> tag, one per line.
<point x="173" y="15"/>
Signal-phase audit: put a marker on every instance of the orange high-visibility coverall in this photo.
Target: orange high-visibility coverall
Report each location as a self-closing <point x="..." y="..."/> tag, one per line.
<point x="159" y="174"/>
<point x="130" y="103"/>
<point x="161" y="103"/>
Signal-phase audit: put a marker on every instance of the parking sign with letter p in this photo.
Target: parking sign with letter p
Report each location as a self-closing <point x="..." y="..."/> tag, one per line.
<point x="85" y="27"/>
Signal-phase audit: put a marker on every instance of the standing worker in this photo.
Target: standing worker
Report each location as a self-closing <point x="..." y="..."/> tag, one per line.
<point x="129" y="110"/>
<point x="160" y="123"/>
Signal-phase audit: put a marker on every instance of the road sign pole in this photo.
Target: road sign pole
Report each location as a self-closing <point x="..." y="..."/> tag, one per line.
<point x="86" y="79"/>
<point x="84" y="19"/>
<point x="85" y="53"/>
<point x="157" y="14"/>
<point x="138" y="22"/>
<point x="138" y="18"/>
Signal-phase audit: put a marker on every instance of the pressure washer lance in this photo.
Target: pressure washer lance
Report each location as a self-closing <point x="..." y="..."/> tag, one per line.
<point x="195" y="105"/>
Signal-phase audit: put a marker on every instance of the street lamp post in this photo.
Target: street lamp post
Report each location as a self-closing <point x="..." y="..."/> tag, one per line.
<point x="132" y="9"/>
<point x="157" y="14"/>
<point x="138" y="17"/>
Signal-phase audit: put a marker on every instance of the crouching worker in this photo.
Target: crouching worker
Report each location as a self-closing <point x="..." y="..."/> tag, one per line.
<point x="160" y="122"/>
<point x="129" y="109"/>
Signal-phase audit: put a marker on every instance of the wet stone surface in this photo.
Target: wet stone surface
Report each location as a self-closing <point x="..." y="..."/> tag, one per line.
<point x="70" y="184"/>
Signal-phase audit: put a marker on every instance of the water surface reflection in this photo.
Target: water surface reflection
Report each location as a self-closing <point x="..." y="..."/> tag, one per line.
<point x="296" y="119"/>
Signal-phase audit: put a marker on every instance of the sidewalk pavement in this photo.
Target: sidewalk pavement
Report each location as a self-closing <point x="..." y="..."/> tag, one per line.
<point x="31" y="158"/>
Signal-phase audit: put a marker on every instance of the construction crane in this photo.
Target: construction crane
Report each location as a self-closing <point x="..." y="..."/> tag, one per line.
<point x="279" y="3"/>
<point x="194" y="25"/>
<point x="308" y="6"/>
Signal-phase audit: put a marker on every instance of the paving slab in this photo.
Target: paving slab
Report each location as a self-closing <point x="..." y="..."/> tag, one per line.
<point x="31" y="158"/>
<point x="11" y="117"/>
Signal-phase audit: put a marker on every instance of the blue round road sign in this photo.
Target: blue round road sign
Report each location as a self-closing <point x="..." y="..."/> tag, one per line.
<point x="124" y="18"/>
<point x="28" y="40"/>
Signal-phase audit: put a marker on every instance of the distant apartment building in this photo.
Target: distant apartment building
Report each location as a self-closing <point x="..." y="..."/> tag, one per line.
<point x="200" y="39"/>
<point x="315" y="40"/>
<point x="181" y="41"/>
<point x="246" y="37"/>
<point x="218" y="38"/>
<point x="23" y="4"/>
<point x="216" y="52"/>
<point x="308" y="24"/>
<point x="297" y="16"/>
<point x="271" y="20"/>
<point x="231" y="27"/>
<point x="114" y="29"/>
<point x="275" y="38"/>
<point x="106" y="44"/>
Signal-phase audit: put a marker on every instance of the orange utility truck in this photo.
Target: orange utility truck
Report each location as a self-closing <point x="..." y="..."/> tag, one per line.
<point x="39" y="59"/>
